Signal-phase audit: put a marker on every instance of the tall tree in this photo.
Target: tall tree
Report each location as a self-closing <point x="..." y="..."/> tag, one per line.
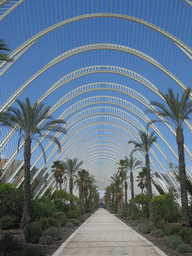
<point x="31" y="122"/>
<point x="81" y="181"/>
<point x="144" y="146"/>
<point x="116" y="179"/>
<point x="142" y="179"/>
<point x="176" y="111"/>
<point x="72" y="166"/>
<point x="132" y="164"/>
<point x="122" y="174"/>
<point x="59" y="171"/>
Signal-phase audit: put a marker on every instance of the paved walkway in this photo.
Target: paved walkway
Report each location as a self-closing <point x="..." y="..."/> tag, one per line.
<point x="104" y="234"/>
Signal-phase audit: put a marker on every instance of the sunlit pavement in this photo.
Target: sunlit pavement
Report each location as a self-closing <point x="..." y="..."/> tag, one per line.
<point x="104" y="234"/>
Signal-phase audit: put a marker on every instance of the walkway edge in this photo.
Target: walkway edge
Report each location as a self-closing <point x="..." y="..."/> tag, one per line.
<point x="161" y="253"/>
<point x="60" y="249"/>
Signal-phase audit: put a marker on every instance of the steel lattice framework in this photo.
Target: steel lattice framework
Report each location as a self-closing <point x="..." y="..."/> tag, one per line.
<point x="98" y="63"/>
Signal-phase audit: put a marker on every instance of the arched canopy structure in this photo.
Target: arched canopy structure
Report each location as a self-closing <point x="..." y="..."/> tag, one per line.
<point x="98" y="64"/>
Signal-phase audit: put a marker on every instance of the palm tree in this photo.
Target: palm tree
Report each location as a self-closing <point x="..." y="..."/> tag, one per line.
<point x="72" y="166"/>
<point x="142" y="179"/>
<point x="30" y="121"/>
<point x="122" y="174"/>
<point x="59" y="171"/>
<point x="176" y="112"/>
<point x="146" y="142"/>
<point x="81" y="181"/>
<point x="132" y="164"/>
<point x="3" y="47"/>
<point x="117" y="181"/>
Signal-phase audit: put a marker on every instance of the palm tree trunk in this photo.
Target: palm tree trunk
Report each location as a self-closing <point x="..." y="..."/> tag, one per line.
<point x="149" y="189"/>
<point x="125" y="196"/>
<point x="81" y="197"/>
<point x="71" y="191"/>
<point x="182" y="173"/>
<point x="27" y="192"/>
<point x="132" y="193"/>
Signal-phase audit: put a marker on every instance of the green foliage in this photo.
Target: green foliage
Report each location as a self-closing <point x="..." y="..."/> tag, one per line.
<point x="76" y="222"/>
<point x="33" y="251"/>
<point x="69" y="224"/>
<point x="66" y="197"/>
<point x="10" y="221"/>
<point x="32" y="233"/>
<point x="82" y="218"/>
<point x="72" y="214"/>
<point x="9" y="244"/>
<point x="166" y="207"/>
<point x="145" y="228"/>
<point x="46" y="240"/>
<point x="46" y="223"/>
<point x="11" y="200"/>
<point x="142" y="203"/>
<point x="158" y="233"/>
<point x="54" y="232"/>
<point x="183" y="248"/>
<point x="61" y="206"/>
<point x="173" y="241"/>
<point x="171" y="230"/>
<point x="42" y="207"/>
<point x="186" y="235"/>
<point x="61" y="218"/>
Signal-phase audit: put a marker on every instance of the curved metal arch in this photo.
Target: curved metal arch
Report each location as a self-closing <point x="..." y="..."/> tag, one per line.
<point x="63" y="100"/>
<point x="14" y="96"/>
<point x="70" y="113"/>
<point x="126" y="90"/>
<point x="14" y="5"/>
<point x="22" y="48"/>
<point x="141" y="116"/>
<point x="130" y="107"/>
<point x="143" y="160"/>
<point x="152" y="153"/>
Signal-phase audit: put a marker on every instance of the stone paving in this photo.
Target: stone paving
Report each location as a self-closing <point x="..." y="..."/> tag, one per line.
<point x="104" y="234"/>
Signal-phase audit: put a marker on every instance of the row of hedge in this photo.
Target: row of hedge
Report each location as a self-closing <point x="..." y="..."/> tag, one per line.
<point x="178" y="238"/>
<point x="43" y="231"/>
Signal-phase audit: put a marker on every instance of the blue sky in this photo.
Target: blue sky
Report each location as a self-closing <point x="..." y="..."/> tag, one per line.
<point x="31" y="17"/>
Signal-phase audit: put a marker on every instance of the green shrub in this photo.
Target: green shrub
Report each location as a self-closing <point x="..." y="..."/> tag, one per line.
<point x="9" y="244"/>
<point x="52" y="222"/>
<point x="76" y="222"/>
<point x="134" y="223"/>
<point x="173" y="241"/>
<point x="54" y="232"/>
<point x="11" y="200"/>
<point x="72" y="215"/>
<point x="158" y="233"/>
<point x="32" y="233"/>
<point x="32" y="251"/>
<point x="10" y="221"/>
<point x="42" y="207"/>
<point x="69" y="224"/>
<point x="145" y="228"/>
<point x="130" y="222"/>
<point x="46" y="240"/>
<point x="61" y="217"/>
<point x="186" y="235"/>
<point x="183" y="248"/>
<point x="82" y="218"/>
<point x="43" y="222"/>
